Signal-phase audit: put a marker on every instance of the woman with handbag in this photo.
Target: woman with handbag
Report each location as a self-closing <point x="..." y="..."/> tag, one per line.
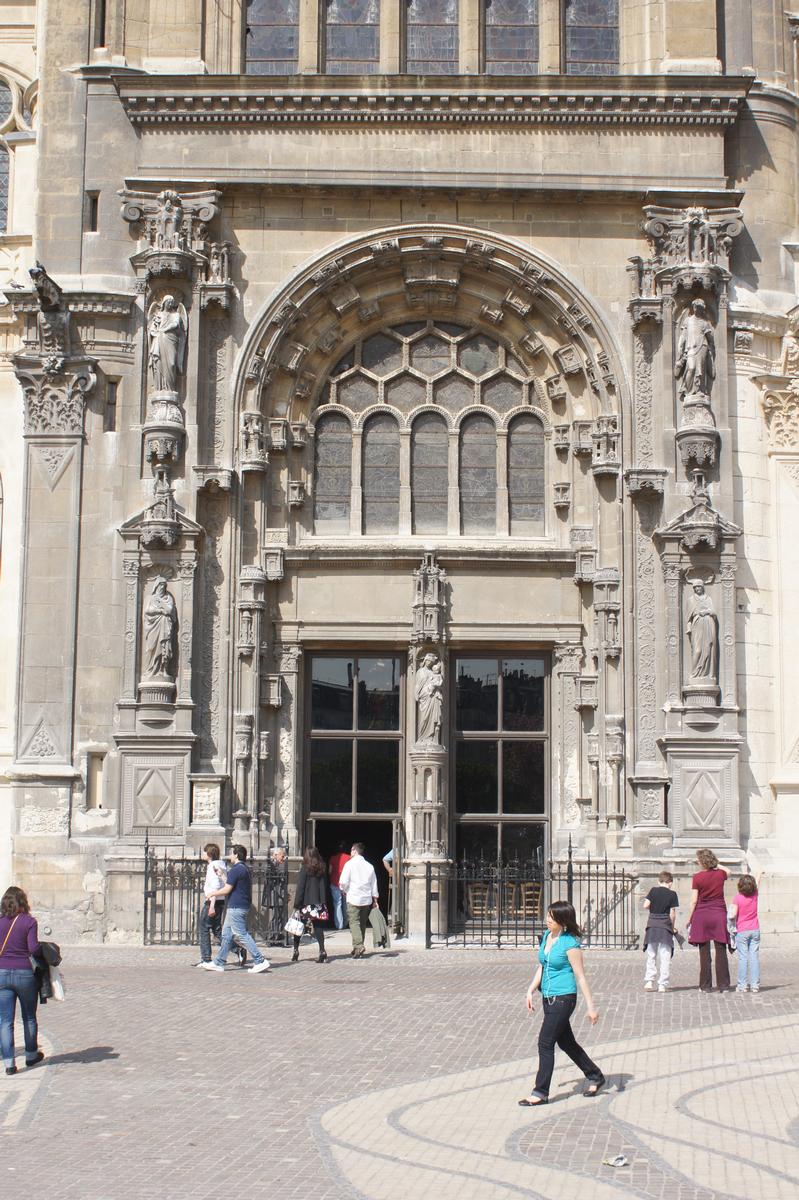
<point x="19" y="941"/>
<point x="310" y="899"/>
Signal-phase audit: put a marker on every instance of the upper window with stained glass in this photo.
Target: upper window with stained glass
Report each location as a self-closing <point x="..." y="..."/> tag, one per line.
<point x="511" y="37"/>
<point x="272" y="37"/>
<point x="475" y="462"/>
<point x="352" y="37"/>
<point x="592" y="37"/>
<point x="431" y="37"/>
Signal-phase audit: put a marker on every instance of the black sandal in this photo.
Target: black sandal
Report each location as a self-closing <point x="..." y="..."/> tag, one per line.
<point x="594" y="1089"/>
<point x="528" y="1103"/>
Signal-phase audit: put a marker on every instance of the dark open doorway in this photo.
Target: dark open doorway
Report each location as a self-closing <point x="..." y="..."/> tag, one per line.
<point x="377" y="836"/>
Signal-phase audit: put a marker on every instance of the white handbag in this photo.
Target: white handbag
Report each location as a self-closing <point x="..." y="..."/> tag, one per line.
<point x="295" y="925"/>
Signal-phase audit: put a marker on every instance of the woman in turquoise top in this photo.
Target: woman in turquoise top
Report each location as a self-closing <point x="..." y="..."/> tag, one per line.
<point x="560" y="970"/>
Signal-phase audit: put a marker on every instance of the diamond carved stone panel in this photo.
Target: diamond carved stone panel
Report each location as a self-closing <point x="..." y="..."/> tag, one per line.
<point x="703" y="798"/>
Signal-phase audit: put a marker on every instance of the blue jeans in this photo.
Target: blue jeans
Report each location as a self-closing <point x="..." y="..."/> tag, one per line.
<point x="209" y="925"/>
<point x="235" y="929"/>
<point x="747" y="943"/>
<point x="18" y="985"/>
<point x="338" y="906"/>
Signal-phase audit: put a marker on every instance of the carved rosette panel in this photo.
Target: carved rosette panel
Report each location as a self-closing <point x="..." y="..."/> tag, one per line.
<point x="644" y="429"/>
<point x="646" y="634"/>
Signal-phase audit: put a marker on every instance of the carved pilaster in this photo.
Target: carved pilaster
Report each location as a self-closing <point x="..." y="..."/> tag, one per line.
<point x="568" y="664"/>
<point x="289" y="757"/>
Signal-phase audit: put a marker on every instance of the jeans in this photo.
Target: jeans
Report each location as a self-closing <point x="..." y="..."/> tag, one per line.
<point x="209" y="925"/>
<point x="235" y="929"/>
<point x="358" y="916"/>
<point x="18" y="985"/>
<point x="338" y="906"/>
<point x="747" y="943"/>
<point x="658" y="963"/>
<point x="556" y="1031"/>
<point x="722" y="967"/>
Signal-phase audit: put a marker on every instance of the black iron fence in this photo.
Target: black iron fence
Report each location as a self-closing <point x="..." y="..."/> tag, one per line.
<point x="505" y="904"/>
<point x="173" y="897"/>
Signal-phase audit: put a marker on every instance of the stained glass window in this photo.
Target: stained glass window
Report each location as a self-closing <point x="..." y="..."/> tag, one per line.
<point x="272" y="37"/>
<point x="352" y="38"/>
<point x="333" y="474"/>
<point x="526" y="477"/>
<point x="511" y="37"/>
<point x="432" y="37"/>
<point x="478" y="475"/>
<point x="5" y="111"/>
<point x="592" y="37"/>
<point x="429" y="473"/>
<point x="381" y="475"/>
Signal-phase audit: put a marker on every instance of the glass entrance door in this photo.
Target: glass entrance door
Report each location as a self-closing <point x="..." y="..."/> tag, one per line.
<point x="501" y="768"/>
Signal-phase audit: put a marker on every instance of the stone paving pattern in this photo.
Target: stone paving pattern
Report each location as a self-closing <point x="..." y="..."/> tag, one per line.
<point x="398" y="1076"/>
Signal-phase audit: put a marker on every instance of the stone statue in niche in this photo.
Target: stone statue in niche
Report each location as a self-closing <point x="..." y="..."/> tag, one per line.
<point x="167" y="330"/>
<point x="160" y="630"/>
<point x="789" y="358"/>
<point x="696" y="353"/>
<point x="429" y="695"/>
<point x="703" y="634"/>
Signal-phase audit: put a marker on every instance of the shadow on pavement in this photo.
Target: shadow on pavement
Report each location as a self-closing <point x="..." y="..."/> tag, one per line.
<point x="91" y="1054"/>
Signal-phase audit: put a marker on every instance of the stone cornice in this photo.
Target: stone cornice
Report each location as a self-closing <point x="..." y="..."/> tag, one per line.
<point x="685" y="101"/>
<point x="114" y="303"/>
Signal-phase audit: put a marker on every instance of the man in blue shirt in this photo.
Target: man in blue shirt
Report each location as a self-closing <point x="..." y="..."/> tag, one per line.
<point x="237" y="893"/>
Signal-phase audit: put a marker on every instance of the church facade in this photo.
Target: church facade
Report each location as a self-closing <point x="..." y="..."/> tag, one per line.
<point x="407" y="416"/>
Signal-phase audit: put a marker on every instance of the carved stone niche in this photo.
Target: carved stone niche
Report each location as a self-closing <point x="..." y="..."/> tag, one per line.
<point x="563" y="495"/>
<point x="299" y="435"/>
<point x="250" y="602"/>
<point x="297" y="493"/>
<point x="253" y="455"/>
<point x="587" y="692"/>
<point x="607" y="606"/>
<point x="700" y="527"/>
<point x="217" y="287"/>
<point x="582" y="442"/>
<point x="645" y="482"/>
<point x="271" y="691"/>
<point x="605" y="459"/>
<point x="561" y="438"/>
<point x="582" y="540"/>
<point x="278" y="433"/>
<point x="556" y="389"/>
<point x="212" y="478"/>
<point x="164" y="431"/>
<point x="273" y="563"/>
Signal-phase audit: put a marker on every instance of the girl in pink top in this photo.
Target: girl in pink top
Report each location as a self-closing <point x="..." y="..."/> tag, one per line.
<point x="743" y="910"/>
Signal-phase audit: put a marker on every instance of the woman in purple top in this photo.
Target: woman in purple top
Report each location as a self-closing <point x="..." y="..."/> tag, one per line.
<point x="19" y="938"/>
<point x="707" y="920"/>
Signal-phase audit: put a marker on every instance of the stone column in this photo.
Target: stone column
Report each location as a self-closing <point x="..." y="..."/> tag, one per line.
<point x="566" y="746"/>
<point x="289" y="750"/>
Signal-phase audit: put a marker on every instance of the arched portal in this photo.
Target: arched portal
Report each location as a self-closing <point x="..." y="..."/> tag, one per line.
<point x="431" y="428"/>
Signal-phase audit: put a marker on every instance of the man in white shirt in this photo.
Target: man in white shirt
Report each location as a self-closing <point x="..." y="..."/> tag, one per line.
<point x="359" y="884"/>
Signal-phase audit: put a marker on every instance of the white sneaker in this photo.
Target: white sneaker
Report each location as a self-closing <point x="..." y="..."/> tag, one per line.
<point x="663" y="988"/>
<point x="259" y="967"/>
<point x="649" y="986"/>
<point x="211" y="966"/>
<point x="754" y="990"/>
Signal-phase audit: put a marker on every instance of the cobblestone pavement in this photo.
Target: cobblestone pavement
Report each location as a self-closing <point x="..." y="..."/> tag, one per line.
<point x="398" y="1076"/>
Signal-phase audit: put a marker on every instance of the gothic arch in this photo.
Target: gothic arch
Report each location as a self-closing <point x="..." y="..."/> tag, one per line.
<point x="515" y="294"/>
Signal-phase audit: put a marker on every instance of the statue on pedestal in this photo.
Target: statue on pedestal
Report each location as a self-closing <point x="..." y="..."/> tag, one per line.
<point x="160" y="629"/>
<point x="429" y="695"/>
<point x="167" y="329"/>
<point x="696" y="354"/>
<point x="703" y="634"/>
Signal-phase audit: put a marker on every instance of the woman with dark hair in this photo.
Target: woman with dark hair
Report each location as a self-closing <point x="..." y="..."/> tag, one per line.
<point x="310" y="898"/>
<point x="707" y="920"/>
<point x="19" y="939"/>
<point x="560" y="970"/>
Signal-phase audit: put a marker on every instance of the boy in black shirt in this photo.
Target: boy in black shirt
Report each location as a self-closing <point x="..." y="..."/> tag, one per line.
<point x="662" y="902"/>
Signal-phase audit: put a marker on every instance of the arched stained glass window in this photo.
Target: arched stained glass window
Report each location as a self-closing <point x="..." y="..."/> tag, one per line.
<point x="352" y="37"/>
<point x="478" y="475"/>
<point x="511" y="37"/>
<point x="429" y="473"/>
<point x="273" y="35"/>
<point x="381" y="482"/>
<point x="5" y="112"/>
<point x="431" y="31"/>
<point x="592" y="37"/>
<point x="333" y="474"/>
<point x="526" y="477"/>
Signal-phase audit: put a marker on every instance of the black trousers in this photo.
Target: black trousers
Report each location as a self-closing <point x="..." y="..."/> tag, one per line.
<point x="722" y="967"/>
<point x="557" y="1031"/>
<point x="318" y="933"/>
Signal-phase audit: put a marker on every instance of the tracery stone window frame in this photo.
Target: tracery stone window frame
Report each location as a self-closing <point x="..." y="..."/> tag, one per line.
<point x="469" y="344"/>
<point x="16" y="117"/>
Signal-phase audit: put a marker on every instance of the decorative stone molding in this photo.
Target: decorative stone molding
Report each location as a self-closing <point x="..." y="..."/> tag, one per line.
<point x="297" y="493"/>
<point x="587" y="693"/>
<point x="582" y="441"/>
<point x="173" y="232"/>
<point x="273" y="564"/>
<point x="699" y="526"/>
<point x="780" y="401"/>
<point x="148" y="102"/>
<point x="253" y="455"/>
<point x="692" y="245"/>
<point x="561" y="438"/>
<point x="299" y="434"/>
<point x="278" y="434"/>
<point x="271" y="691"/>
<point x="556" y="389"/>
<point x="568" y="360"/>
<point x="562" y="495"/>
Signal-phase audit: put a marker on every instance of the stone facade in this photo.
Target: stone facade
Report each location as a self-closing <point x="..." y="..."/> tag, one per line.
<point x="343" y="409"/>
